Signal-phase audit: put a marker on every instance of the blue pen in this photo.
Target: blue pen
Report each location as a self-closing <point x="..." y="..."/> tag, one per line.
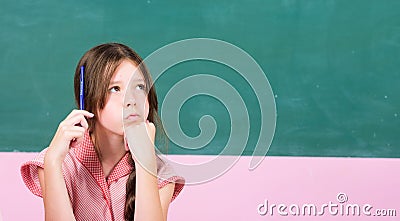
<point x="82" y="90"/>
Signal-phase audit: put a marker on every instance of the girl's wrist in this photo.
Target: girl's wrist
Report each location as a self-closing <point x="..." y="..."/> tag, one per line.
<point x="53" y="158"/>
<point x="149" y="166"/>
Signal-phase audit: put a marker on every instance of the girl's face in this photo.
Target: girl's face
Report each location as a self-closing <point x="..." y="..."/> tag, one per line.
<point x="129" y="84"/>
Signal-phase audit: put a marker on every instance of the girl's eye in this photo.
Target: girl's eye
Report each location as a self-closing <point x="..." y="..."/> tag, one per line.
<point x="114" y="89"/>
<point x="141" y="86"/>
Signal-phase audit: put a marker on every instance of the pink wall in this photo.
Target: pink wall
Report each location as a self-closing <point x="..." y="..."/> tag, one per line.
<point x="291" y="181"/>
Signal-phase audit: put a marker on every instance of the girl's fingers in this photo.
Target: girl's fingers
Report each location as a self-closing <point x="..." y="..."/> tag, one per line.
<point x="80" y="112"/>
<point x="74" y="125"/>
<point x="151" y="129"/>
<point x="76" y="119"/>
<point x="76" y="142"/>
<point x="126" y="144"/>
<point x="71" y="132"/>
<point x="142" y="134"/>
<point x="66" y="136"/>
<point x="80" y="115"/>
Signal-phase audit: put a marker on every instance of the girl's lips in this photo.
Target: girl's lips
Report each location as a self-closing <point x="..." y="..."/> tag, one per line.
<point x="133" y="117"/>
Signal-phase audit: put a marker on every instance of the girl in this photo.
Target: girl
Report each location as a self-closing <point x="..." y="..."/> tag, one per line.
<point x="95" y="168"/>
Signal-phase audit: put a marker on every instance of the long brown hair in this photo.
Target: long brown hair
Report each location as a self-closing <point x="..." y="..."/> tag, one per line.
<point x="100" y="63"/>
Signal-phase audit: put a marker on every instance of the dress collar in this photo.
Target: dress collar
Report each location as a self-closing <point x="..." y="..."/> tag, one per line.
<point x="86" y="154"/>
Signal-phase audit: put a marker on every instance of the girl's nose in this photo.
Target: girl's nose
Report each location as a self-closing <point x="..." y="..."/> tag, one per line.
<point x="130" y="100"/>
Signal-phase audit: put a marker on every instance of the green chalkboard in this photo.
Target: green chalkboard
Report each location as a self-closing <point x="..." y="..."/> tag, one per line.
<point x="333" y="65"/>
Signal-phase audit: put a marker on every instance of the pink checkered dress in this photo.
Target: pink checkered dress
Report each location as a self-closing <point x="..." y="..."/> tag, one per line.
<point x="93" y="197"/>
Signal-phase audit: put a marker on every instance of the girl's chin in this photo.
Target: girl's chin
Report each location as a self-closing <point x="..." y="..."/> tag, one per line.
<point x="132" y="123"/>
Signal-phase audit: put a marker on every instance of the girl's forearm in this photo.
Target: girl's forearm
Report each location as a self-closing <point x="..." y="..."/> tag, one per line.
<point x="147" y="202"/>
<point x="55" y="196"/>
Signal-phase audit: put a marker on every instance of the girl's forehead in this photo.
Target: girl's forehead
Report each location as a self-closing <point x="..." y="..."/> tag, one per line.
<point x="127" y="71"/>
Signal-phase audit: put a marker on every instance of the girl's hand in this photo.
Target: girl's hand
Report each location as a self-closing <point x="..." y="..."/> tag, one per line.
<point x="69" y="133"/>
<point x="140" y="139"/>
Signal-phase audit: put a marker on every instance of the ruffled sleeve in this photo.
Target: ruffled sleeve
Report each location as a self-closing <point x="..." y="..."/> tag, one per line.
<point x="166" y="175"/>
<point x="29" y="173"/>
